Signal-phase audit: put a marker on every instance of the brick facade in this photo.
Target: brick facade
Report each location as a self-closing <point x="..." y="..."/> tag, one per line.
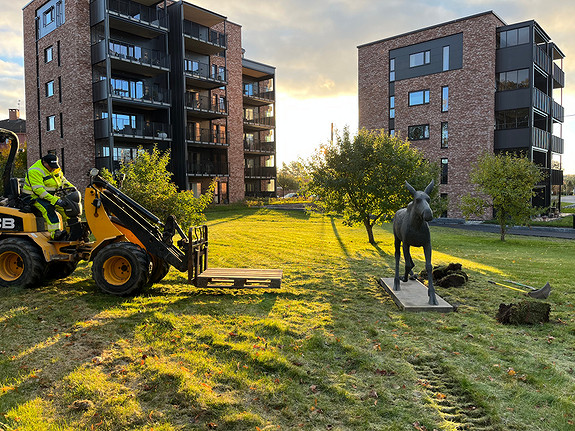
<point x="73" y="138"/>
<point x="470" y="117"/>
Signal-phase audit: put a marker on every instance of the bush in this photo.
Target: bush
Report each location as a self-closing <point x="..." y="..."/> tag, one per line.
<point x="147" y="180"/>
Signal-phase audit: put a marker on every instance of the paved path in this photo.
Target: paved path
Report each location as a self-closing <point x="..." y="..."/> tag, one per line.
<point x="551" y="232"/>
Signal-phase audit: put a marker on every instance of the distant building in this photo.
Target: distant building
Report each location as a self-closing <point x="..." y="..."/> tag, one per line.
<point x="465" y="87"/>
<point x="15" y="124"/>
<point x="106" y="77"/>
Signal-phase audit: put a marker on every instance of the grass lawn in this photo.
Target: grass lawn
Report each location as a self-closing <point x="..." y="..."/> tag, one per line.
<point x="328" y="351"/>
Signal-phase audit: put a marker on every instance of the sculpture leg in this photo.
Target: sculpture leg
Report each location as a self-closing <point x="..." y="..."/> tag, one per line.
<point x="429" y="269"/>
<point x="408" y="262"/>
<point x="397" y="257"/>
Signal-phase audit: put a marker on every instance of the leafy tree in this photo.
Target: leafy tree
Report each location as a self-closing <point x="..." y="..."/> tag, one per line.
<point x="293" y="176"/>
<point x="147" y="180"/>
<point x="363" y="177"/>
<point x="506" y="182"/>
<point x="20" y="163"/>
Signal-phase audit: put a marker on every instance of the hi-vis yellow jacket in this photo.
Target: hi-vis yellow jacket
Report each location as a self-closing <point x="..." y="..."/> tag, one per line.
<point x="41" y="183"/>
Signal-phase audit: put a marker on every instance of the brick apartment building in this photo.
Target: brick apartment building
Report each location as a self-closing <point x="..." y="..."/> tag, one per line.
<point x="465" y="87"/>
<point x="106" y="77"/>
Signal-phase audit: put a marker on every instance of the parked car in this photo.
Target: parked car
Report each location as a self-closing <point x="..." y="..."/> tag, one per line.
<point x="290" y="195"/>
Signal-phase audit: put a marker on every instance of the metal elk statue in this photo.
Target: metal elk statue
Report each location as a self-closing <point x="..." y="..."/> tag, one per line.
<point x="411" y="229"/>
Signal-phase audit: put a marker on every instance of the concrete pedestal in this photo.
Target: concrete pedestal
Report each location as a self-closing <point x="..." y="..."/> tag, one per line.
<point x="413" y="296"/>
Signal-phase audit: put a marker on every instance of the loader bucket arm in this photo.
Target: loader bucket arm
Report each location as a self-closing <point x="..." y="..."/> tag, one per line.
<point x="9" y="166"/>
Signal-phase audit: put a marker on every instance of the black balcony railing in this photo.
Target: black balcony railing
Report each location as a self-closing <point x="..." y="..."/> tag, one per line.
<point x="261" y="121"/>
<point x="142" y="91"/>
<point x="206" y="136"/>
<point x="204" y="34"/>
<point x="253" y="90"/>
<point x="557" y="144"/>
<point x="541" y="58"/>
<point x="259" y="146"/>
<point x="541" y="101"/>
<point x="146" y="130"/>
<point x="540" y="138"/>
<point x="156" y="17"/>
<point x="558" y="112"/>
<point x="260" y="171"/>
<point x="138" y="54"/>
<point x="206" y="104"/>
<point x="204" y="71"/>
<point x="208" y="168"/>
<point x="558" y="75"/>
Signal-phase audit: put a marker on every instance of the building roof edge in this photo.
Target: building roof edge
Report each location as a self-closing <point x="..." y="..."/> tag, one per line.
<point x="433" y="26"/>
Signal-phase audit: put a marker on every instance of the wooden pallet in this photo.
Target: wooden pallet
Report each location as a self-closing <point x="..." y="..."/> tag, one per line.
<point x="240" y="278"/>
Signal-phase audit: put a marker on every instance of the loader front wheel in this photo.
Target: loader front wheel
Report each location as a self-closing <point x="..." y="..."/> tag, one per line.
<point x="121" y="268"/>
<point x="160" y="269"/>
<point x="21" y="263"/>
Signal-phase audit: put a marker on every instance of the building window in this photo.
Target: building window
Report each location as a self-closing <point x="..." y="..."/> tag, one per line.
<point x="517" y="36"/>
<point x="512" y="80"/>
<point x="51" y="123"/>
<point x="392" y="107"/>
<point x="444" y="99"/>
<point x="62" y="129"/>
<point x="420" y="97"/>
<point x="416" y="133"/>
<point x="48" y="54"/>
<point x="392" y="70"/>
<point x="512" y="119"/>
<point x="445" y="58"/>
<point x="444" y="171"/>
<point x="419" y="58"/>
<point x="48" y="16"/>
<point x="60" y="89"/>
<point x="444" y="135"/>
<point x="49" y="88"/>
<point x="444" y="203"/>
<point x="391" y="132"/>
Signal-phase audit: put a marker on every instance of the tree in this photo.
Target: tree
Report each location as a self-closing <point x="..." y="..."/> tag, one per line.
<point x="364" y="178"/>
<point x="148" y="181"/>
<point x="507" y="182"/>
<point x="293" y="176"/>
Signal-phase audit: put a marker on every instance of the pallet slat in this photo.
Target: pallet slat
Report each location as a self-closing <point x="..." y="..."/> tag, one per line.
<point x="240" y="278"/>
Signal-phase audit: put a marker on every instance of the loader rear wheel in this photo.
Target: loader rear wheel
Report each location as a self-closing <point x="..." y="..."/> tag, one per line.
<point x="121" y="268"/>
<point x="21" y="263"/>
<point x="160" y="269"/>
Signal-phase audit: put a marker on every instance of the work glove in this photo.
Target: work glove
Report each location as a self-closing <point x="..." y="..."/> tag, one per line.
<point x="62" y="203"/>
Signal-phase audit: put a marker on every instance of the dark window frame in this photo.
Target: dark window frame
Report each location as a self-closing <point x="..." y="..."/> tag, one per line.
<point x="49" y="86"/>
<point x="50" y="123"/>
<point x="444" y="170"/>
<point x="425" y="96"/>
<point x="391" y="69"/>
<point x="414" y="58"/>
<point x="49" y="54"/>
<point x="445" y="58"/>
<point x="444" y="134"/>
<point x="445" y="98"/>
<point x="420" y="136"/>
<point x="510" y="80"/>
<point x="391" y="106"/>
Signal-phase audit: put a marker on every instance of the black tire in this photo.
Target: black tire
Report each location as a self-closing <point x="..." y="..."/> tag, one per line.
<point x="160" y="269"/>
<point x="58" y="270"/>
<point x="121" y="268"/>
<point x="21" y="263"/>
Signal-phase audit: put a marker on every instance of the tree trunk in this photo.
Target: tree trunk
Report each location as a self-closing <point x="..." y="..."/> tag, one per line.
<point x="369" y="229"/>
<point x="502" y="230"/>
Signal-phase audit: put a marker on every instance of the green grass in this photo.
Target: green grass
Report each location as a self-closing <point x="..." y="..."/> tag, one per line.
<point x="328" y="351"/>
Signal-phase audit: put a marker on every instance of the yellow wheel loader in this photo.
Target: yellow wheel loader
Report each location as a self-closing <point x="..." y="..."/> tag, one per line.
<point x="128" y="245"/>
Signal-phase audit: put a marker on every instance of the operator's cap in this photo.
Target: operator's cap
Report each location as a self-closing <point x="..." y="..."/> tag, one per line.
<point x="51" y="160"/>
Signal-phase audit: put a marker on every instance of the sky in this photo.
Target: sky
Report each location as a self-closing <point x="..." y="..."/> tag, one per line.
<point x="313" y="45"/>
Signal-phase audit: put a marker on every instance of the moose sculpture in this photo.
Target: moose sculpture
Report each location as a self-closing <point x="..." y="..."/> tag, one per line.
<point x="410" y="228"/>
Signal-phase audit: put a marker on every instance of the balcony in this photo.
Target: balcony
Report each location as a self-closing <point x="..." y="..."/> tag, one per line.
<point x="144" y="133"/>
<point x="260" y="172"/>
<point x="204" y="76"/>
<point x="541" y="101"/>
<point x="206" y="136"/>
<point x="205" y="107"/>
<point x="558" y="77"/>
<point x="540" y="138"/>
<point x="259" y="123"/>
<point x="256" y="96"/>
<point x="207" y="169"/>
<point x="557" y="144"/>
<point x="555" y="175"/>
<point x="137" y="55"/>
<point x="202" y="39"/>
<point x="257" y="146"/>
<point x="558" y="112"/>
<point x="139" y="13"/>
<point x="541" y="59"/>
